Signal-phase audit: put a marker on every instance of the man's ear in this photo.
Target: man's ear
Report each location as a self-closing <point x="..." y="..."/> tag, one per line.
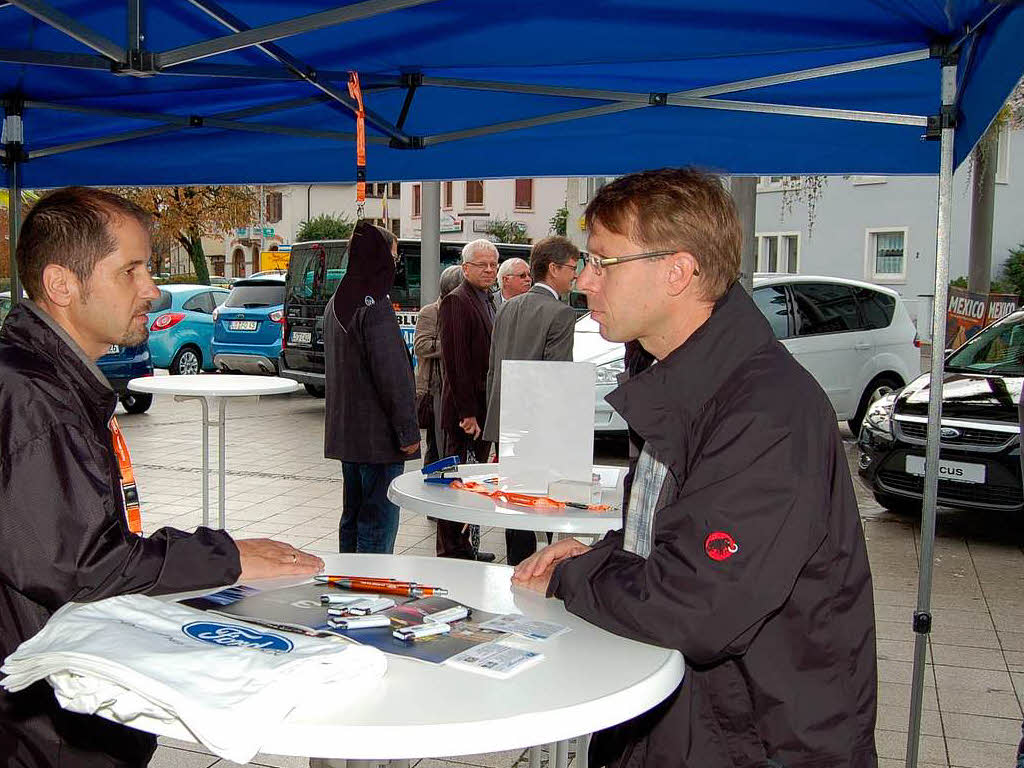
<point x="682" y="272"/>
<point x="60" y="286"/>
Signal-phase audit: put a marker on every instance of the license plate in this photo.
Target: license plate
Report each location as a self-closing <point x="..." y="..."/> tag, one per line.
<point x="301" y="337"/>
<point x="242" y="325"/>
<point x="957" y="471"/>
<point x="114" y="349"/>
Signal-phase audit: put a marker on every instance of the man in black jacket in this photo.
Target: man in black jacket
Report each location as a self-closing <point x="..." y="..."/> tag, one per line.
<point x="741" y="543"/>
<point x="64" y="524"/>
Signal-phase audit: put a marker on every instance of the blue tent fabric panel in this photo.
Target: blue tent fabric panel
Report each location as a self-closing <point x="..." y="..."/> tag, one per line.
<point x="649" y="47"/>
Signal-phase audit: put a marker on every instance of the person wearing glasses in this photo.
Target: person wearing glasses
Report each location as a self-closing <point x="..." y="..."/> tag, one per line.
<point x="513" y="279"/>
<point x="741" y="543"/>
<point x="536" y="325"/>
<point x="466" y="319"/>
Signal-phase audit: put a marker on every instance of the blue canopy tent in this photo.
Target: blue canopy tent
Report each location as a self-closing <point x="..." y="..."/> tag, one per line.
<point x="160" y="92"/>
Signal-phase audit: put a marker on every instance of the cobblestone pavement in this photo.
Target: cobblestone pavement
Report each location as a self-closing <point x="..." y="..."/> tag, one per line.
<point x="280" y="485"/>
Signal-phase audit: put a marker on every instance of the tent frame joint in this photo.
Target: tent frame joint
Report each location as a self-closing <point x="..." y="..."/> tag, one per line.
<point x="139" y="63"/>
<point x="14" y="137"/>
<point x="657" y="99"/>
<point x="410" y="81"/>
<point x="948" y="117"/>
<point x="946" y="51"/>
<point x="413" y="142"/>
<point x="922" y="622"/>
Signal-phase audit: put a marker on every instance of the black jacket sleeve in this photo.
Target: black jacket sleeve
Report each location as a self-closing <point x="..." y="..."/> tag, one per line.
<point x="391" y="372"/>
<point x="65" y="538"/>
<point x="748" y="486"/>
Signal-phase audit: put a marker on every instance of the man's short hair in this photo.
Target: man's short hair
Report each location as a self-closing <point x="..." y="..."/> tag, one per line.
<point x="451" y="278"/>
<point x="469" y="250"/>
<point x="679" y="209"/>
<point x="71" y="227"/>
<point x="551" y="250"/>
<point x="508" y="265"/>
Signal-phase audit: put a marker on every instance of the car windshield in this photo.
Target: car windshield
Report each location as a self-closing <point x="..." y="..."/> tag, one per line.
<point x="251" y="296"/>
<point x="314" y="271"/>
<point x="999" y="349"/>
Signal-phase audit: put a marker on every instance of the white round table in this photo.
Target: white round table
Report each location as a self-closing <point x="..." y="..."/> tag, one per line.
<point x="409" y="491"/>
<point x="589" y="679"/>
<point x="213" y="390"/>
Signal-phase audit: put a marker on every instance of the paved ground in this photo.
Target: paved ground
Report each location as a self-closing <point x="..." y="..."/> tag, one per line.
<point x="280" y="485"/>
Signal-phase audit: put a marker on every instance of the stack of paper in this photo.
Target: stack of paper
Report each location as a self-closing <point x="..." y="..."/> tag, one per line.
<point x="229" y="683"/>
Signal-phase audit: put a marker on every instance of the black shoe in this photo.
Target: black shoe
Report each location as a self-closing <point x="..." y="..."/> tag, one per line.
<point x="485" y="557"/>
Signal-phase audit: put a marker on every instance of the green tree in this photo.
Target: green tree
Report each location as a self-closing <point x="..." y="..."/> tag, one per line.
<point x="505" y="231"/>
<point x="1013" y="270"/>
<point x="560" y="221"/>
<point x="326" y="226"/>
<point x="186" y="214"/>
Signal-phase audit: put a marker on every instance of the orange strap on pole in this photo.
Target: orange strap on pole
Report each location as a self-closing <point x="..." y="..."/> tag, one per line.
<point x="357" y="94"/>
<point x="129" y="490"/>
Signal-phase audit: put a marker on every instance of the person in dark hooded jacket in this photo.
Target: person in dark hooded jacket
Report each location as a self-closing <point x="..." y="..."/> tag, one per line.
<point x="371" y="393"/>
<point x="741" y="544"/>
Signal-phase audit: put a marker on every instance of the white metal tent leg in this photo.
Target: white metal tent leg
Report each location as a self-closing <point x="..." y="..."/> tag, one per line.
<point x="922" y="615"/>
<point x="221" y="407"/>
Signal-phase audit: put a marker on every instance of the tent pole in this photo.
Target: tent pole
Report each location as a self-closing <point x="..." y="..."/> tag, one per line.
<point x="430" y="241"/>
<point x="922" y="615"/>
<point x="14" y="147"/>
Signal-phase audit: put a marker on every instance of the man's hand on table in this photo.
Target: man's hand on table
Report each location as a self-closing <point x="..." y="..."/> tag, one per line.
<point x="534" y="573"/>
<point x="409" y="450"/>
<point x="267" y="559"/>
<point x="470" y="426"/>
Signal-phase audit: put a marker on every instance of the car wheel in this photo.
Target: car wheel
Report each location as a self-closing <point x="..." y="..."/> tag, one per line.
<point x="900" y="505"/>
<point x="879" y="387"/>
<point x="315" y="390"/>
<point x="136" y="402"/>
<point x="187" y="362"/>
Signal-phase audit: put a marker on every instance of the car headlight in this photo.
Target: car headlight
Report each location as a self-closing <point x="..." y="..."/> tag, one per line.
<point x="608" y="373"/>
<point x="879" y="414"/>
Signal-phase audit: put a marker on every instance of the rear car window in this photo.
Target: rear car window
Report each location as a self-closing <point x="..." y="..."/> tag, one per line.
<point x="201" y="302"/>
<point x="771" y="300"/>
<point x="876" y="308"/>
<point x="825" y="308"/>
<point x="251" y="296"/>
<point x="162" y="303"/>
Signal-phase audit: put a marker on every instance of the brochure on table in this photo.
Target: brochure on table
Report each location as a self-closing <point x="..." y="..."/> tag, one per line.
<point x="299" y="607"/>
<point x="547" y="439"/>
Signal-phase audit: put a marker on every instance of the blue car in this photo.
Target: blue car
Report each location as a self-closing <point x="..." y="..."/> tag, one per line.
<point x="120" y="365"/>
<point x="247" y="327"/>
<point x="181" y="327"/>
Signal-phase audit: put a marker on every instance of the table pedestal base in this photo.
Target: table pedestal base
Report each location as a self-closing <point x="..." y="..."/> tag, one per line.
<point x="558" y="757"/>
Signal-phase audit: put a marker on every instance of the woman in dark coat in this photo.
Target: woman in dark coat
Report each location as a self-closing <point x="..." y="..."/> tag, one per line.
<point x="371" y="395"/>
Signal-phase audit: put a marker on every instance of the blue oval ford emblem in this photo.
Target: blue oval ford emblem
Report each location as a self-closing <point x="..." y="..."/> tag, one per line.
<point x="949" y="433"/>
<point x="232" y="635"/>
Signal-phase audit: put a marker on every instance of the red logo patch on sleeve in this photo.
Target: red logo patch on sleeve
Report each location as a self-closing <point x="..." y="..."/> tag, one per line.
<point x="720" y="545"/>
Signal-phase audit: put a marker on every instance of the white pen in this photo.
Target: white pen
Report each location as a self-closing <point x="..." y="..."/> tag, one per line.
<point x="360" y="622"/>
<point x="454" y="613"/>
<point x="337" y="598"/>
<point x="417" y="631"/>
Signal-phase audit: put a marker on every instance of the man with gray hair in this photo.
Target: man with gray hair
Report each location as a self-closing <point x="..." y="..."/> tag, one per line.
<point x="513" y="279"/>
<point x="466" y="318"/>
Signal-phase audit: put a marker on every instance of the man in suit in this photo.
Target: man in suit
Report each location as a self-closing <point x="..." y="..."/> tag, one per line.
<point x="466" y="318"/>
<point x="513" y="279"/>
<point x="535" y="325"/>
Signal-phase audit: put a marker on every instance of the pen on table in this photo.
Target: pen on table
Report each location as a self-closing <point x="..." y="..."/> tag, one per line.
<point x="411" y="590"/>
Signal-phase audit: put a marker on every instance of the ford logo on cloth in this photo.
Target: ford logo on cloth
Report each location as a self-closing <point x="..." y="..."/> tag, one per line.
<point x="234" y="636"/>
<point x="949" y="433"/>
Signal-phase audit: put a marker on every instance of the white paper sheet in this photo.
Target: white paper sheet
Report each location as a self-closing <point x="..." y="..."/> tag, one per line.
<point x="547" y="423"/>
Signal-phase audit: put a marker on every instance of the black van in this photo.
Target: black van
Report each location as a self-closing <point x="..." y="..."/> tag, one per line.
<point x="314" y="271"/>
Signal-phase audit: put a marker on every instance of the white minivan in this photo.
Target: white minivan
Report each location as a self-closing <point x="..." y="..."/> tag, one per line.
<point x="855" y="338"/>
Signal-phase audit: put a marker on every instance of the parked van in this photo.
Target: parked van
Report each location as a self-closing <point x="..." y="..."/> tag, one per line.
<point x="314" y="271"/>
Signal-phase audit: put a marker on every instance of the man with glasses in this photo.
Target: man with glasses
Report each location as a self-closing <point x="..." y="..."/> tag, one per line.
<point x="466" y="319"/>
<point x="741" y="543"/>
<point x="513" y="279"/>
<point x="536" y="325"/>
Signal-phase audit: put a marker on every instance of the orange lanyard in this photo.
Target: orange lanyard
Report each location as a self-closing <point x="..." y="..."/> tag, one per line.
<point x="356" y="92"/>
<point x="525" y="499"/>
<point x="129" y="490"/>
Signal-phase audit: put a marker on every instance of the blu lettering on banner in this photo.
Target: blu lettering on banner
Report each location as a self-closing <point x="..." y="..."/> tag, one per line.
<point x="234" y="636"/>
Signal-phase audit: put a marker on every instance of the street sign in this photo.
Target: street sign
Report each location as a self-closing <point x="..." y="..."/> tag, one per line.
<point x="268" y="231"/>
<point x="242" y="231"/>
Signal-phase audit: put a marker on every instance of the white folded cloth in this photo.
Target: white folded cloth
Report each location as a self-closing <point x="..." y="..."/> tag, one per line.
<point x="229" y="683"/>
